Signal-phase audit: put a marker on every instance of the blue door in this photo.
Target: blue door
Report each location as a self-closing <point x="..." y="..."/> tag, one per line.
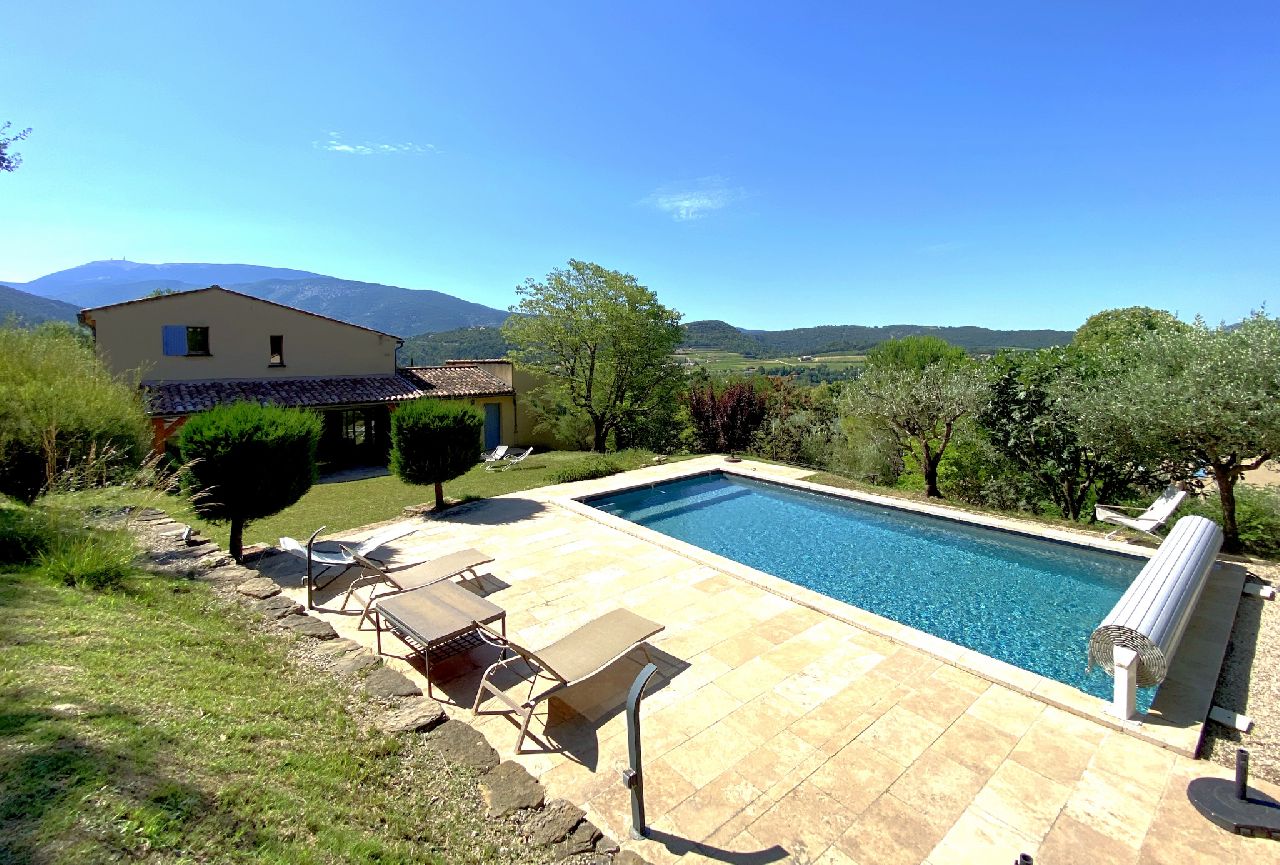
<point x="492" y="425"/>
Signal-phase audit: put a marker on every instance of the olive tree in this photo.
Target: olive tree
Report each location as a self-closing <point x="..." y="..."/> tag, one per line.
<point x="246" y="461"/>
<point x="433" y="441"/>
<point x="916" y="389"/>
<point x="603" y="341"/>
<point x="1190" y="399"/>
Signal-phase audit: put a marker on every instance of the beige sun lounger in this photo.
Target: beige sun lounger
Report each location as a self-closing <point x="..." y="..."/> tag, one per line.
<point x="567" y="661"/>
<point x="410" y="577"/>
<point x="1146" y="522"/>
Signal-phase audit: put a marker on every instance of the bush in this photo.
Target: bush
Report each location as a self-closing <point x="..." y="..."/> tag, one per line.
<point x="433" y="441"/>
<point x="24" y="534"/>
<point x="1257" y="517"/>
<point x="88" y="558"/>
<point x="246" y="461"/>
<point x="586" y="469"/>
<point x="61" y="410"/>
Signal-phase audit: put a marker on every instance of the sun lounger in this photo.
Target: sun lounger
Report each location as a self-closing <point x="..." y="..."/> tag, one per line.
<point x="493" y="457"/>
<point x="343" y="557"/>
<point x="567" y="661"/>
<point x="436" y="621"/>
<point x="514" y="458"/>
<point x="406" y="578"/>
<point x="1147" y="521"/>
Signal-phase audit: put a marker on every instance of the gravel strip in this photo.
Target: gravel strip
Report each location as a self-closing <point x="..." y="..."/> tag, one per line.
<point x="1248" y="683"/>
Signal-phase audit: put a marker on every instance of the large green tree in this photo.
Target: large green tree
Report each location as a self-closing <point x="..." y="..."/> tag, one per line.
<point x="603" y="341"/>
<point x="1195" y="398"/>
<point x="433" y="441"/>
<point x="916" y="389"/>
<point x="1033" y="419"/>
<point x="247" y="461"/>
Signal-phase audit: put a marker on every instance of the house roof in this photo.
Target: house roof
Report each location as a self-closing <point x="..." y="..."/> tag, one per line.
<point x="173" y="398"/>
<point x="457" y="380"/>
<point x="81" y="316"/>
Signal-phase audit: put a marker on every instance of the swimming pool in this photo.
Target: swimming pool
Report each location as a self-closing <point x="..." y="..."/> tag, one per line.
<point x="1029" y="602"/>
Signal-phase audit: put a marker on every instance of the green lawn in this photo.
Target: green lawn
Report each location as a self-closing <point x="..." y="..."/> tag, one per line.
<point x="152" y="725"/>
<point x="349" y="504"/>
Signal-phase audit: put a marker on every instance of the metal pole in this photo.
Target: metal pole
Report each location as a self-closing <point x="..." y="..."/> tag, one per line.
<point x="633" y="778"/>
<point x="1242" y="773"/>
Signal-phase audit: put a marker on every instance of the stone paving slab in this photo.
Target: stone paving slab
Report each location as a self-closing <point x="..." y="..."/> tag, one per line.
<point x="777" y="732"/>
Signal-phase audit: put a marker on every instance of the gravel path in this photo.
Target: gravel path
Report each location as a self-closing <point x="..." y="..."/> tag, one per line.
<point x="1248" y="683"/>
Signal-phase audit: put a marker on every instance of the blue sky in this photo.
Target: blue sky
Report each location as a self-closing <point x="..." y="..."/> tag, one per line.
<point x="1001" y="164"/>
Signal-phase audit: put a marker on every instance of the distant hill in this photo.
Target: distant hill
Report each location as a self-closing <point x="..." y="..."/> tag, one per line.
<point x="857" y="338"/>
<point x="466" y="343"/>
<point x="474" y="343"/>
<point x="389" y="308"/>
<point x="31" y="309"/>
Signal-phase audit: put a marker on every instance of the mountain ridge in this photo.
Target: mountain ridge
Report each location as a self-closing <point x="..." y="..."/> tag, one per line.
<point x="388" y="308"/>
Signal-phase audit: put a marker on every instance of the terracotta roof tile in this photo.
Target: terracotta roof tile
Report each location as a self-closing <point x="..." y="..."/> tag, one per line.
<point x="170" y="398"/>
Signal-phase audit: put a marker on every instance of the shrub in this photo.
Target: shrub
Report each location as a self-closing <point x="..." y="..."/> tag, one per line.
<point x="726" y="422"/>
<point x="61" y="410"/>
<point x="585" y="469"/>
<point x="246" y="461"/>
<point x="88" y="558"/>
<point x="433" y="441"/>
<point x="24" y="533"/>
<point x="1257" y="517"/>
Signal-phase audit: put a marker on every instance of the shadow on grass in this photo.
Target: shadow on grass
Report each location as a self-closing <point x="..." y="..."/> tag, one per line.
<point x="64" y="797"/>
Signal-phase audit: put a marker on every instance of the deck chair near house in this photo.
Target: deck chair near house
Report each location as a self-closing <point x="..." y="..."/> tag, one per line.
<point x="1147" y="521"/>
<point x="494" y="457"/>
<point x="514" y="457"/>
<point x="342" y="558"/>
<point x="567" y="661"/>
<point x="407" y="577"/>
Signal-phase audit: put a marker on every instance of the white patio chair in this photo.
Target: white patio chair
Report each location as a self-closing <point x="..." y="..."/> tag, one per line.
<point x="493" y="458"/>
<point x="337" y="558"/>
<point x="1147" y="521"/>
<point x="514" y="458"/>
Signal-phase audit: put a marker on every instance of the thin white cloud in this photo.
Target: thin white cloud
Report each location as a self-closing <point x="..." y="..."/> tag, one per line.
<point x="945" y="248"/>
<point x="695" y="199"/>
<point x="334" y="144"/>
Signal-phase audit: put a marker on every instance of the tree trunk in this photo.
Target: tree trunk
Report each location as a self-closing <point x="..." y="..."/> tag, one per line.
<point x="1223" y="476"/>
<point x="600" y="438"/>
<point x="237" y="538"/>
<point x="930" y="466"/>
<point x="439" y="496"/>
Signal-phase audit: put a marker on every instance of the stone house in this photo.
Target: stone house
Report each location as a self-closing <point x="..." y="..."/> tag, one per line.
<point x="192" y="350"/>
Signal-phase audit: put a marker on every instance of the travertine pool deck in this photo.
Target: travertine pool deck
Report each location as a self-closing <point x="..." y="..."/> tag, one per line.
<point x="777" y="731"/>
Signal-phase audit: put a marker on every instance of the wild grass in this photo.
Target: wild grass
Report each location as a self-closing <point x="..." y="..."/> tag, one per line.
<point x="153" y="725"/>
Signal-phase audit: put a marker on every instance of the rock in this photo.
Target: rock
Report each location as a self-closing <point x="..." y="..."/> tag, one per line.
<point x="259" y="587"/>
<point x="229" y="574"/>
<point x="460" y="743"/>
<point x="277" y="607"/>
<point x="605" y="844"/>
<point x="387" y="683"/>
<point x="508" y="788"/>
<point x="629" y="857"/>
<point x="149" y="515"/>
<point x="337" y="648"/>
<point x="422" y="713"/>
<point x="306" y="626"/>
<point x="554" y="823"/>
<point x="581" y="840"/>
<point x="356" y="662"/>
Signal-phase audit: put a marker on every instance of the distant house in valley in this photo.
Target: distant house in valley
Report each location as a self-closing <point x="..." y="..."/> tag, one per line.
<point x="196" y="349"/>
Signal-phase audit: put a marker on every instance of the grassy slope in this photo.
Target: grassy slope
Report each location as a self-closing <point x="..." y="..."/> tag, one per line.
<point x="153" y="725"/>
<point x="350" y="504"/>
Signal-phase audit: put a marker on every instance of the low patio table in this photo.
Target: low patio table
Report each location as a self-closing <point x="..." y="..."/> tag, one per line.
<point x="436" y="621"/>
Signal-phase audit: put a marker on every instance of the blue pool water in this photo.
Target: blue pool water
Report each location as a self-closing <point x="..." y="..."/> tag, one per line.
<point x="1031" y="603"/>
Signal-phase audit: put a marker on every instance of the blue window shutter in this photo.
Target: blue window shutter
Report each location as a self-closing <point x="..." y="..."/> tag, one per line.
<point x="175" y="339"/>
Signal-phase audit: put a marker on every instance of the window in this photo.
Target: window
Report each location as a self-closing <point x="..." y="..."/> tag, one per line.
<point x="353" y="426"/>
<point x="182" y="340"/>
<point x="277" y="350"/>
